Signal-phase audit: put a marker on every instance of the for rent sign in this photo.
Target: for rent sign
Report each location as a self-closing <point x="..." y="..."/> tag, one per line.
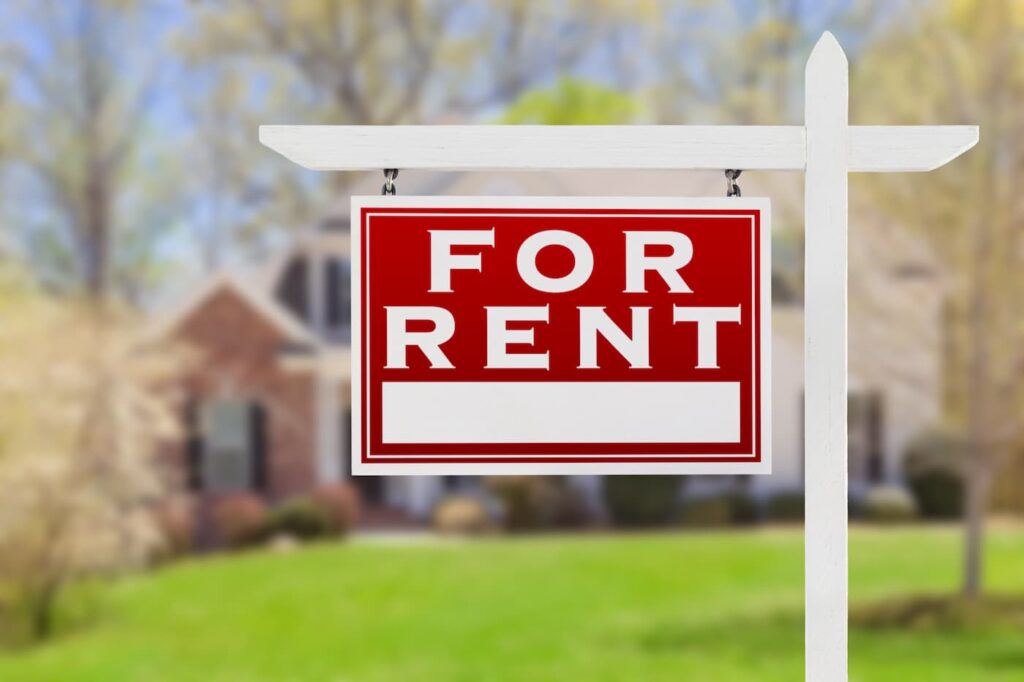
<point x="560" y="335"/>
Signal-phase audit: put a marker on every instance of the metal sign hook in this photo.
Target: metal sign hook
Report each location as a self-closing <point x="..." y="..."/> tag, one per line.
<point x="390" y="175"/>
<point x="732" y="188"/>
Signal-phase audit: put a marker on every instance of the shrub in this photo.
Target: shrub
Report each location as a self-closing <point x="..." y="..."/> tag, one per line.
<point x="526" y="501"/>
<point x="299" y="517"/>
<point x="939" y="613"/>
<point x="889" y="504"/>
<point x="743" y="507"/>
<point x="175" y="519"/>
<point x="240" y="520"/>
<point x="932" y="470"/>
<point x="84" y="412"/>
<point x="707" y="512"/>
<point x="731" y="508"/>
<point x="938" y="494"/>
<point x="641" y="500"/>
<point x="461" y="515"/>
<point x="572" y="510"/>
<point x="536" y="502"/>
<point x="787" y="506"/>
<point x="339" y="503"/>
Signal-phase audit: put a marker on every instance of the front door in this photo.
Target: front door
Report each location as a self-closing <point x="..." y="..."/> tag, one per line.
<point x="372" y="489"/>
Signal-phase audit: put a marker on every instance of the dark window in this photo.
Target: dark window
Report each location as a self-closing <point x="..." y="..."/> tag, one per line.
<point x="227" y="446"/>
<point x="803" y="433"/>
<point x="258" y="441"/>
<point x="371" y="489"/>
<point x="339" y="309"/>
<point x="293" y="288"/>
<point x="784" y="290"/>
<point x="875" y="428"/>
<point x="345" y="449"/>
<point x="865" y="437"/>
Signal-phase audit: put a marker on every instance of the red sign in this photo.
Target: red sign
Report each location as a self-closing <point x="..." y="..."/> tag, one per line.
<point x="560" y="335"/>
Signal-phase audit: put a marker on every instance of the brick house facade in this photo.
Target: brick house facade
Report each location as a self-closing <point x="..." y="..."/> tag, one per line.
<point x="268" y="403"/>
<point x="247" y="366"/>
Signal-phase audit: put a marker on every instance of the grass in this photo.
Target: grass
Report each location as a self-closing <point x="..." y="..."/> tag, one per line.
<point x="715" y="606"/>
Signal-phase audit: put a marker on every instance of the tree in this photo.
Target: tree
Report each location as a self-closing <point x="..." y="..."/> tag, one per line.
<point x="964" y="62"/>
<point x="743" y="62"/>
<point x="84" y="80"/>
<point x="573" y="102"/>
<point x="374" y="62"/>
<point x="81" y="414"/>
<point x="221" y="157"/>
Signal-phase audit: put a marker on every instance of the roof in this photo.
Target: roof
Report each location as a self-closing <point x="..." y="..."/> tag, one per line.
<point x="252" y="293"/>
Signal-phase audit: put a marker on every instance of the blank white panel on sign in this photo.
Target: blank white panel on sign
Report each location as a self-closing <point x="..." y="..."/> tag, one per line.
<point x="560" y="412"/>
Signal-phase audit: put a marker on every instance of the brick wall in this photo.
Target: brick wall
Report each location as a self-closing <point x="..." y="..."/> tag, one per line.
<point x="237" y="356"/>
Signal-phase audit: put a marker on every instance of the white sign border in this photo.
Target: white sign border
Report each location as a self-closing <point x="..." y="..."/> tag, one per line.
<point x="762" y="467"/>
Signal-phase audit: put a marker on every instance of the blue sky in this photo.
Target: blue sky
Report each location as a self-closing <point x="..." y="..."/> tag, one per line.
<point x="170" y="128"/>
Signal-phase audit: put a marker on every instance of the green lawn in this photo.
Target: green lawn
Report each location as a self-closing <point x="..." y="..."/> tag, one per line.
<point x="724" y="606"/>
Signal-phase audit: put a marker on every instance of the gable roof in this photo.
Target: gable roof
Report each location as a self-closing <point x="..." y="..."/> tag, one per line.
<point x="278" y="316"/>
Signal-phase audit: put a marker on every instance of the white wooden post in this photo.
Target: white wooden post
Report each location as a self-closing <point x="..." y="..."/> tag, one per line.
<point x="825" y="146"/>
<point x="825" y="468"/>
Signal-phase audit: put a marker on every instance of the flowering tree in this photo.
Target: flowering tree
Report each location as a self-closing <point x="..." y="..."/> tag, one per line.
<point x="80" y="417"/>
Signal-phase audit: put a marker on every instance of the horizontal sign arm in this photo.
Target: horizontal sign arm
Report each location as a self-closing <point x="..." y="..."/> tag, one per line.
<point x="529" y="147"/>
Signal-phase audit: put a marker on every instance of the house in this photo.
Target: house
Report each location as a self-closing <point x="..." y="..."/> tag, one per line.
<point x="268" y="405"/>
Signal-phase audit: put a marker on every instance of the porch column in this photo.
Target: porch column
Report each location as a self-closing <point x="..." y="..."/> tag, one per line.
<point x="329" y="452"/>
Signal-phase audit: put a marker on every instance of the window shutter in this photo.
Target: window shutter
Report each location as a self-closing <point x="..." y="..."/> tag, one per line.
<point x="258" y="446"/>
<point x="339" y="311"/>
<point x="193" y="447"/>
<point x="876" y="435"/>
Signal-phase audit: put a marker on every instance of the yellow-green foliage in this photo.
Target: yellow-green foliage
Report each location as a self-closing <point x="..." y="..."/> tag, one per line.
<point x="83" y="403"/>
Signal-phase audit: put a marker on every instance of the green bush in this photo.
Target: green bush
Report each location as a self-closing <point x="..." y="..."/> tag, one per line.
<point x="527" y="502"/>
<point x="932" y="469"/>
<point x="787" y="506"/>
<point x="733" y="508"/>
<point x="888" y="504"/>
<point x="941" y="613"/>
<point x="744" y="507"/>
<point x="641" y="500"/>
<point x="299" y="517"/>
<point x="707" y="512"/>
<point x="538" y="502"/>
<point x="462" y="515"/>
<point x="939" y="494"/>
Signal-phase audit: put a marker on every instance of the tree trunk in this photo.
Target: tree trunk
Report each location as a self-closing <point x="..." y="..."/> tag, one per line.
<point x="96" y="240"/>
<point x="979" y="382"/>
<point x="977" y="491"/>
<point x="42" y="608"/>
